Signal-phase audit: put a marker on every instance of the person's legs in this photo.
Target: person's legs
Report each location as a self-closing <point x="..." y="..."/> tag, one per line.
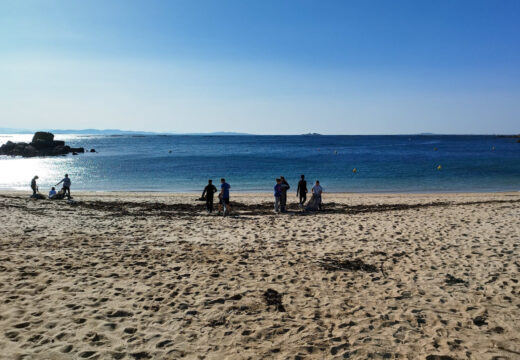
<point x="209" y="203"/>
<point x="227" y="207"/>
<point x="34" y="190"/>
<point x="303" y="198"/>
<point x="276" y="203"/>
<point x="67" y="191"/>
<point x="283" y="200"/>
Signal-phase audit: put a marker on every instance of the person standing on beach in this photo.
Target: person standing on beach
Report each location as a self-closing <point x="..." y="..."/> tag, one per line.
<point x="66" y="185"/>
<point x="314" y="203"/>
<point x="283" y="197"/>
<point x="224" y="195"/>
<point x="34" y="186"/>
<point x="209" y="191"/>
<point x="277" y="195"/>
<point x="317" y="190"/>
<point x="302" y="191"/>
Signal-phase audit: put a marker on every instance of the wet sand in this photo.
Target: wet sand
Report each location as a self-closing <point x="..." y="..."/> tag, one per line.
<point x="152" y="276"/>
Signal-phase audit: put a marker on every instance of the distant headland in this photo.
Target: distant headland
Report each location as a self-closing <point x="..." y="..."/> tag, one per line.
<point x="113" y="132"/>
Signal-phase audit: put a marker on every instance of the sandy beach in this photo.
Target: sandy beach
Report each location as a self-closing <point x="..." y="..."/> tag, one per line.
<point x="152" y="276"/>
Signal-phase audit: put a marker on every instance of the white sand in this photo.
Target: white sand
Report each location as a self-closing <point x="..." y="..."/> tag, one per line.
<point x="117" y="276"/>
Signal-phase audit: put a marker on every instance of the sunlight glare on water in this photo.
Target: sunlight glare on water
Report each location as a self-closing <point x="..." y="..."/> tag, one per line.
<point x="16" y="173"/>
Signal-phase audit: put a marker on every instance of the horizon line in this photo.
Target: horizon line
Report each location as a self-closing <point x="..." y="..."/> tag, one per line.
<point x="92" y="131"/>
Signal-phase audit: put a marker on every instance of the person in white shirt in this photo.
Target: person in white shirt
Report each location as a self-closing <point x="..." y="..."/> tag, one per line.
<point x="317" y="189"/>
<point x="315" y="202"/>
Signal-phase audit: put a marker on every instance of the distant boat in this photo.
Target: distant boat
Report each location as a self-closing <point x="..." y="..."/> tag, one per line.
<point x="312" y="134"/>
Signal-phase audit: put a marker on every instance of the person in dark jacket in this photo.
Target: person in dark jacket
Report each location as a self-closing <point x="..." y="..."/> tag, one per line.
<point x="283" y="197"/>
<point x="302" y="190"/>
<point x="277" y="195"/>
<point x="34" y="186"/>
<point x="208" y="192"/>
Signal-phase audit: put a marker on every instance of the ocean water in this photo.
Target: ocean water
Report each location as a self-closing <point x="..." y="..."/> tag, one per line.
<point x="251" y="163"/>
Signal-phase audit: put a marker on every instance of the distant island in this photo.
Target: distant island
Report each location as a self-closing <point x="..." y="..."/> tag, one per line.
<point x="114" y="132"/>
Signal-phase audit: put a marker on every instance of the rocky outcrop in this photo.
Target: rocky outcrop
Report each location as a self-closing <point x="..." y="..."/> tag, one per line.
<point x="42" y="144"/>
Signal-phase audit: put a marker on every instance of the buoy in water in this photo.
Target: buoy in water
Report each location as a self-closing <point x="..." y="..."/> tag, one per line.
<point x="354" y="170"/>
<point x="336" y="152"/>
<point x="169" y="152"/>
<point x="493" y="148"/>
<point x="439" y="167"/>
<point x="435" y="149"/>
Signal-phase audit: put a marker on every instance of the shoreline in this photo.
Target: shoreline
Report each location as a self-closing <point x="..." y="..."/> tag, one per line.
<point x="269" y="193"/>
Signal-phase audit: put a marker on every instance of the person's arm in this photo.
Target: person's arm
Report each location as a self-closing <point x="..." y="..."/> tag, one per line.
<point x="203" y="192"/>
<point x="59" y="182"/>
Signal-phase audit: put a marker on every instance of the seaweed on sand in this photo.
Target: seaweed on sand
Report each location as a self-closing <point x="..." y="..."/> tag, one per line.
<point x="273" y="297"/>
<point x="347" y="265"/>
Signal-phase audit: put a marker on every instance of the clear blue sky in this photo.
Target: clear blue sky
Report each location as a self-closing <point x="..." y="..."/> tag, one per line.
<point x="266" y="67"/>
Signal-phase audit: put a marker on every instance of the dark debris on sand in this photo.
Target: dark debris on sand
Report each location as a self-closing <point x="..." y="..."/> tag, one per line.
<point x="273" y="297"/>
<point x="147" y="209"/>
<point x="347" y="265"/>
<point x="480" y="321"/>
<point x="452" y="280"/>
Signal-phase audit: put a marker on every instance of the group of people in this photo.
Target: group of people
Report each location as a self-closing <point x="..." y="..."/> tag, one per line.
<point x="223" y="197"/>
<point x="280" y="195"/>
<point x="64" y="192"/>
<point x="224" y="207"/>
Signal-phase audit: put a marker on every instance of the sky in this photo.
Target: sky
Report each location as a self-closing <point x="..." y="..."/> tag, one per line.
<point x="263" y="67"/>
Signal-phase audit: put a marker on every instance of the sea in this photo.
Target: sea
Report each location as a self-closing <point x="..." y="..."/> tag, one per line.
<point x="361" y="164"/>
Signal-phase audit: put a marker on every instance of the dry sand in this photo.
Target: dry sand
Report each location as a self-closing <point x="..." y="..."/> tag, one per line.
<point x="152" y="276"/>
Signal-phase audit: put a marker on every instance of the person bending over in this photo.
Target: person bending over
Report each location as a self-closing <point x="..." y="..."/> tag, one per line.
<point x="66" y="185"/>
